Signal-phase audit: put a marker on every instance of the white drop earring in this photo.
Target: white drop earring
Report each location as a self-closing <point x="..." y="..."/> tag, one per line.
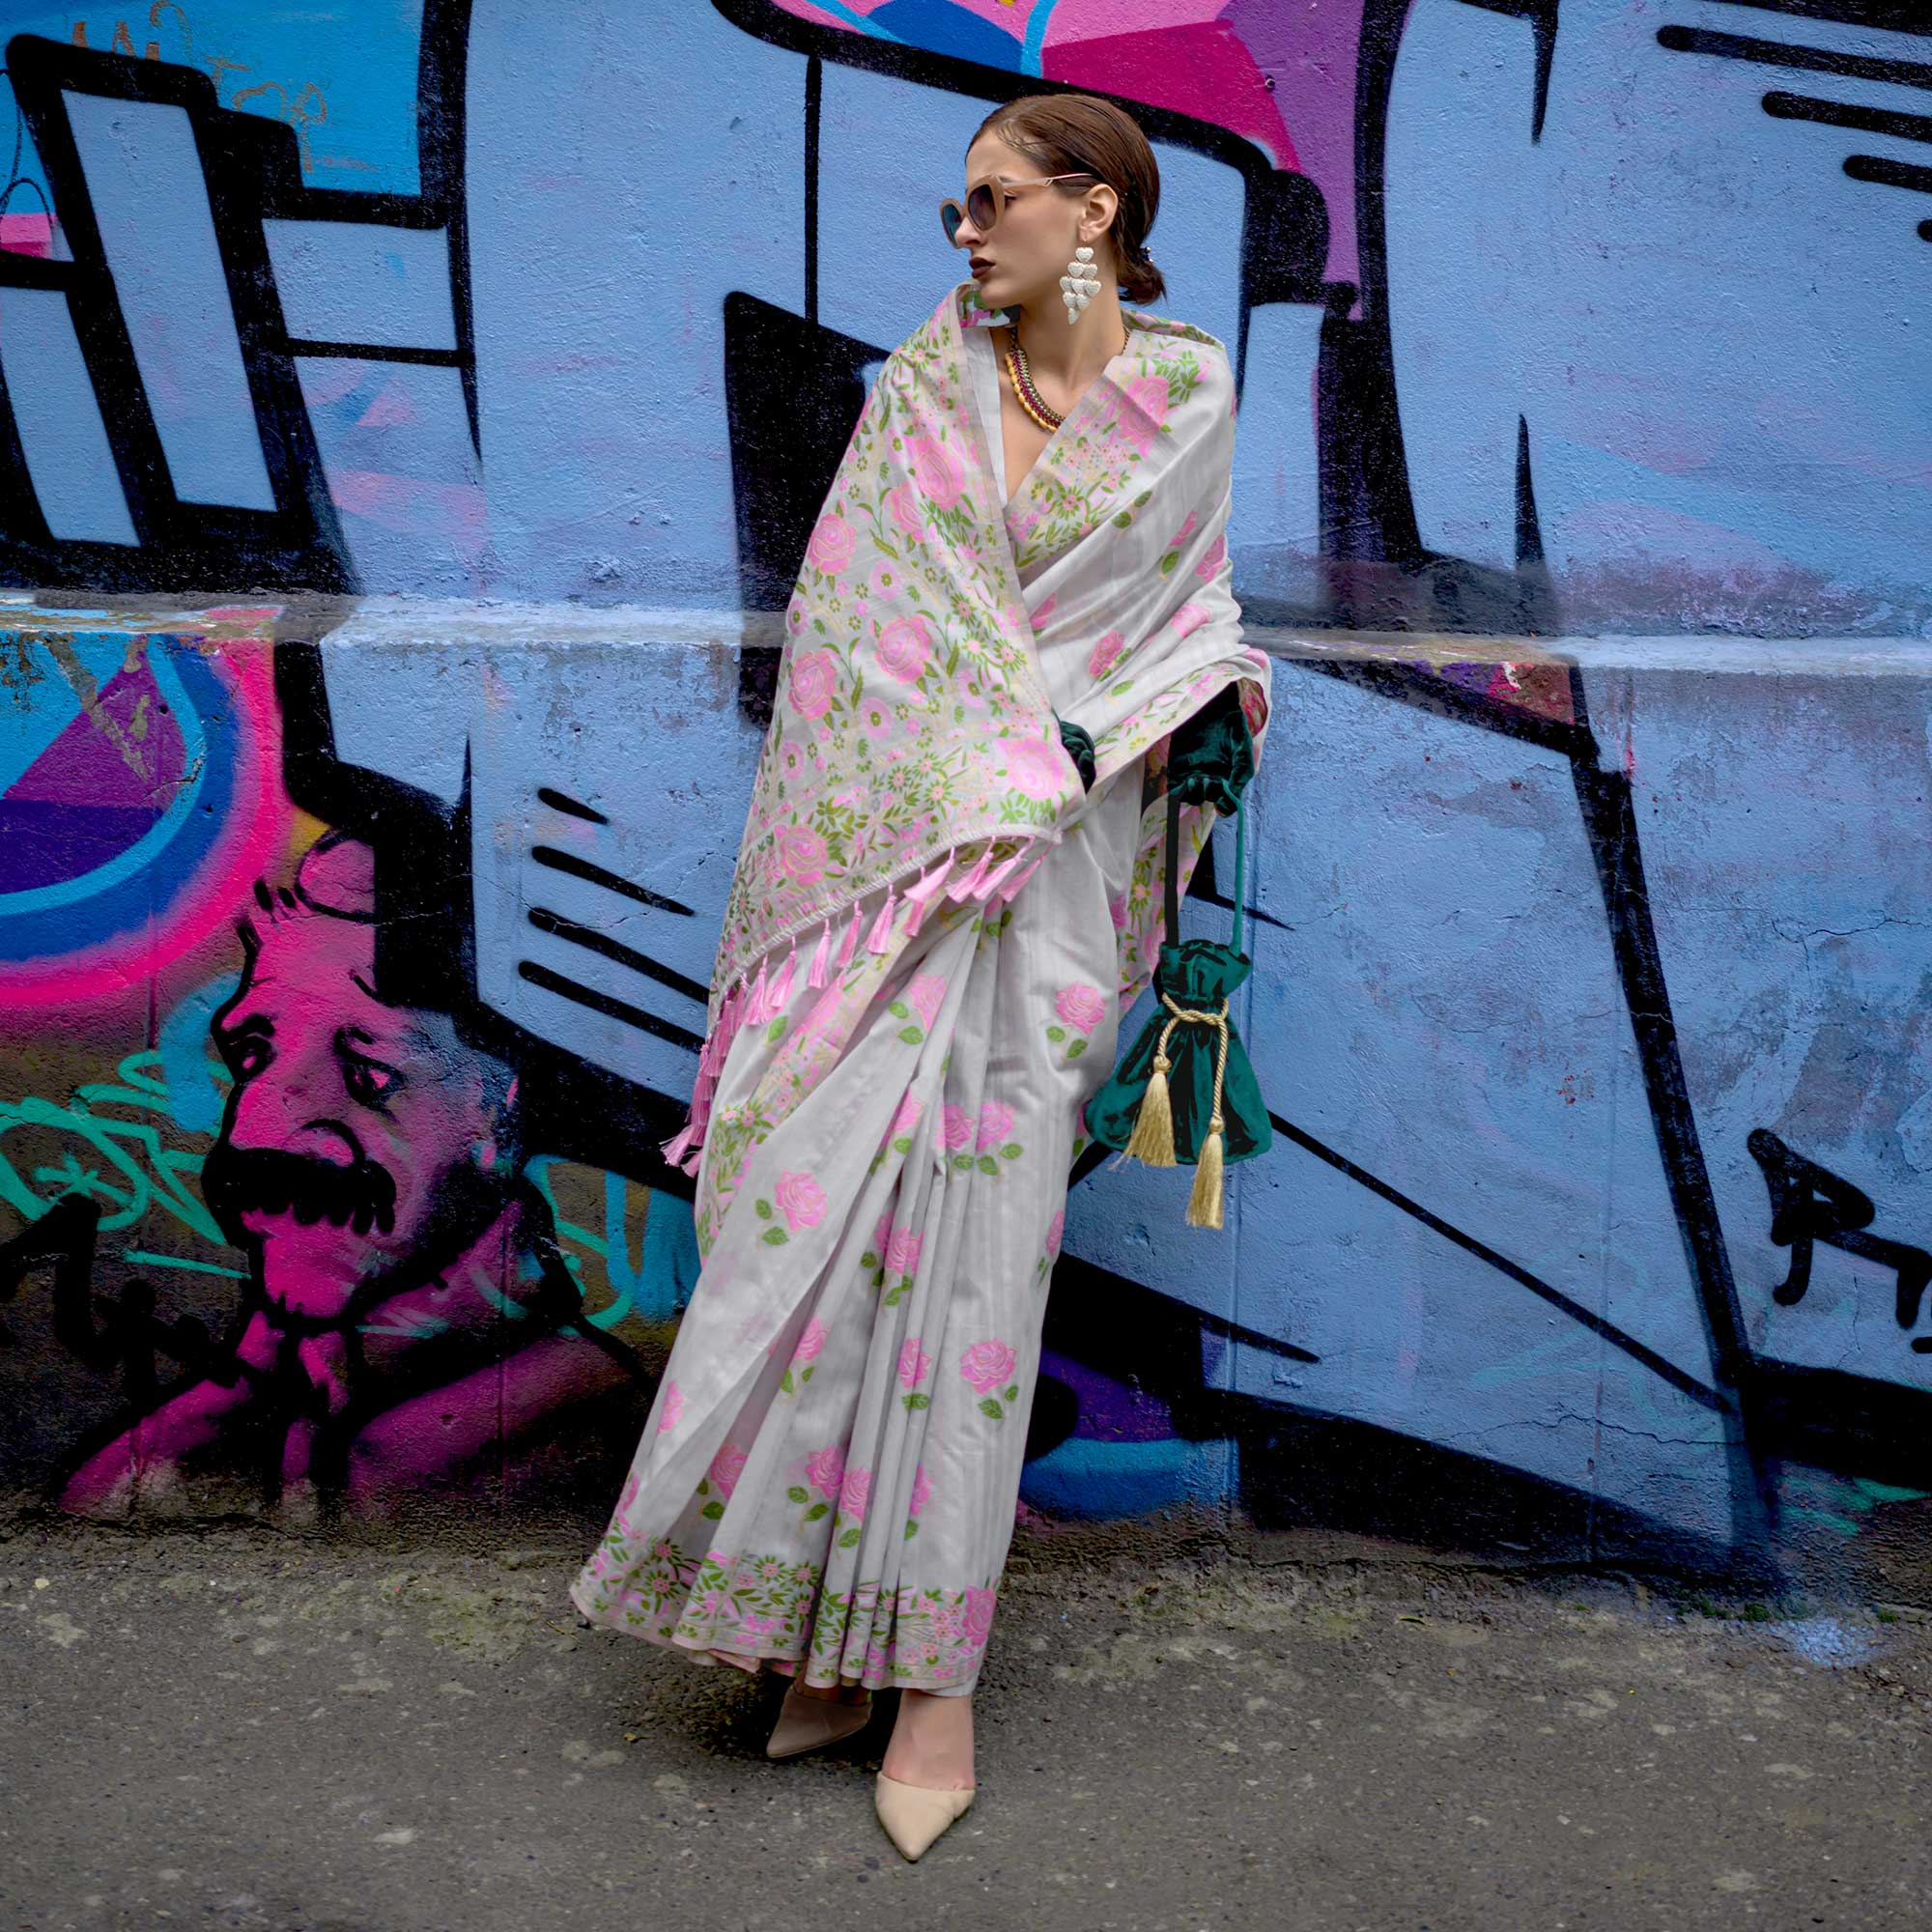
<point x="1080" y="284"/>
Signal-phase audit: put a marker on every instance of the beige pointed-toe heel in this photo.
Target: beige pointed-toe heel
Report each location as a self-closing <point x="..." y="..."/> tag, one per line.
<point x="809" y="1723"/>
<point x="914" y="1815"/>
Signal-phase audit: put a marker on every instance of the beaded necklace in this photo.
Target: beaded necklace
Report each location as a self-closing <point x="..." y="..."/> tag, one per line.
<point x="1020" y="374"/>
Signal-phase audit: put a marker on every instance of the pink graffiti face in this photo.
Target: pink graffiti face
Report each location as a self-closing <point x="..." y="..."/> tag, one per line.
<point x="360" y="1135"/>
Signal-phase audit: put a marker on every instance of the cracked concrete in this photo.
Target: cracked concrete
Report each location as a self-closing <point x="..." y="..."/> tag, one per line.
<point x="258" y="1734"/>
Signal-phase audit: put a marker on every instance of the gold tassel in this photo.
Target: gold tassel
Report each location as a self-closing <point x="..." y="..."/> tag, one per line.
<point x="1152" y="1139"/>
<point x="1203" y="1205"/>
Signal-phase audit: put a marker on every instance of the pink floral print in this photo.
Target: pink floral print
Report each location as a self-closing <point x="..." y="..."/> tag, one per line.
<point x="957" y="1128"/>
<point x="726" y="1467"/>
<point x="831" y="544"/>
<point x="1032" y="768"/>
<point x="1081" y="1006"/>
<point x="938" y="472"/>
<point x="1106" y="653"/>
<point x="799" y="1200"/>
<point x="802" y="854"/>
<point x="914" y="1362"/>
<point x="825" y="1469"/>
<point x="810" y="681"/>
<point x="986" y="1365"/>
<point x="673" y="1407"/>
<point x="924" y="994"/>
<point x="905" y="646"/>
<point x="854" y="1492"/>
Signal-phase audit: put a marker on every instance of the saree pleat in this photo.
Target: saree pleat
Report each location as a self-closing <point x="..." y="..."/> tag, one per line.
<point x="855" y="1517"/>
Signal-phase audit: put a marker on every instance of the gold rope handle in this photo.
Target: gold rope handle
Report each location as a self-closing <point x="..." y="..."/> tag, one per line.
<point x="1203" y="1205"/>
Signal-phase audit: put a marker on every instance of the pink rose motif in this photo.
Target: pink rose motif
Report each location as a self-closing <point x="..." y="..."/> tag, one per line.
<point x="802" y="854"/>
<point x="1055" y="1229"/>
<point x="1143" y="411"/>
<point x="988" y="1365"/>
<point x="1083" y="1007"/>
<point x="831" y="543"/>
<point x="1032" y="768"/>
<point x="726" y="1467"/>
<point x="979" y="1604"/>
<point x="810" y="680"/>
<point x="825" y="1469"/>
<point x="1185" y="532"/>
<point x="854" y="1492"/>
<point x="1106" y="654"/>
<point x="1044" y="611"/>
<point x="914" y="1362"/>
<point x="1188" y="619"/>
<point x="957" y="1128"/>
<point x="910" y="1108"/>
<point x="905" y="510"/>
<point x="902" y="1251"/>
<point x="810" y="1342"/>
<point x="924" y="995"/>
<point x="904" y="648"/>
<point x="673" y="1407"/>
<point x="921" y="1488"/>
<point x="937" y="470"/>
<point x="996" y="1122"/>
<point x="1211" y="561"/>
<point x="1117" y="911"/>
<point x="799" y="1200"/>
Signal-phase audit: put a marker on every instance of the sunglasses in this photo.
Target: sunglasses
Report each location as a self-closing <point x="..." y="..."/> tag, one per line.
<point x="986" y="201"/>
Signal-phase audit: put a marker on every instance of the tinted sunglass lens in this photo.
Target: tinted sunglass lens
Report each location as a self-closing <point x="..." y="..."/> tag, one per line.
<point x="950" y="217"/>
<point x="980" y="207"/>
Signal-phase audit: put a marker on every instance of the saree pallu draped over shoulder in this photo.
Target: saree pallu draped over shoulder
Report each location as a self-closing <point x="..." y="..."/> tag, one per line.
<point x="901" y="1036"/>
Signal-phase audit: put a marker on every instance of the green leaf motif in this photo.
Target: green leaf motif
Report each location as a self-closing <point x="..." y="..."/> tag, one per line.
<point x="1010" y="1151"/>
<point x="806" y="1376"/>
<point x="850" y="1537"/>
<point x="1056" y="1033"/>
<point x="774" y="1237"/>
<point x="775" y="1032"/>
<point x="962" y="1160"/>
<point x="911" y="1035"/>
<point x="1012" y="1394"/>
<point x="917" y="1400"/>
<point x="712" y="1509"/>
<point x="1075" y="1051"/>
<point x="988" y="1407"/>
<point x="988" y="1165"/>
<point x="817" y="1510"/>
<point x="704" y="1487"/>
<point x="904" y="1145"/>
<point x="1167" y="562"/>
<point x="1124" y="520"/>
<point x="764" y="1209"/>
<point x="900" y="1011"/>
<point x="912" y="1529"/>
<point x="868" y="1259"/>
<point x="798" y="1495"/>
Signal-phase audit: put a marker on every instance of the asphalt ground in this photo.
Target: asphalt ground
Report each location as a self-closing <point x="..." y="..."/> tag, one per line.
<point x="245" y="1731"/>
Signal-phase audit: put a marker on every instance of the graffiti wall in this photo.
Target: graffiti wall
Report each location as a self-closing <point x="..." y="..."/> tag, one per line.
<point x="409" y="420"/>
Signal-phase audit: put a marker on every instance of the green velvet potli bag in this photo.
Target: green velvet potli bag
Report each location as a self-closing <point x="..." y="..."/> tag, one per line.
<point x="1185" y="1094"/>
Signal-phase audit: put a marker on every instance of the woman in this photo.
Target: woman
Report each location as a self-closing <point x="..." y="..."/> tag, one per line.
<point x="949" y="890"/>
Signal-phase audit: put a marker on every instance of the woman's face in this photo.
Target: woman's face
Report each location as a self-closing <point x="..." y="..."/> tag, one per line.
<point x="1020" y="261"/>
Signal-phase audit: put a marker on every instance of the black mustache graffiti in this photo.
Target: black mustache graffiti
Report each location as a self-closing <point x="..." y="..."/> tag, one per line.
<point x="360" y="1195"/>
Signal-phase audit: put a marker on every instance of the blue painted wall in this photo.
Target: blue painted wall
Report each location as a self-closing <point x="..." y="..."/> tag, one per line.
<point x="462" y="333"/>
